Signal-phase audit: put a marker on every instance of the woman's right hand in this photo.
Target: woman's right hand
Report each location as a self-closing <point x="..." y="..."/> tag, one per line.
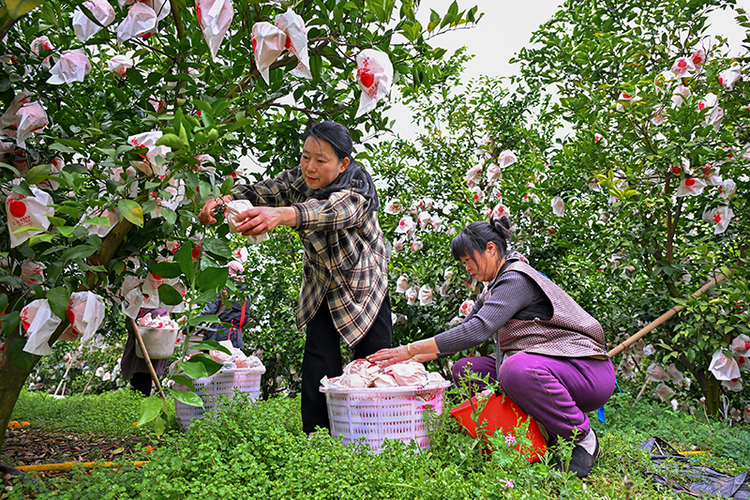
<point x="206" y="215"/>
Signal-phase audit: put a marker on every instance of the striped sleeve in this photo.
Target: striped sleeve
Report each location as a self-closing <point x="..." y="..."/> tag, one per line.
<point x="511" y="294"/>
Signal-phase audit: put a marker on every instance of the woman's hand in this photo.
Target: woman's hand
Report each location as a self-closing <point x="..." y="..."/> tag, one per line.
<point x="420" y="351"/>
<point x="260" y="220"/>
<point x="206" y="215"/>
<point x="388" y="357"/>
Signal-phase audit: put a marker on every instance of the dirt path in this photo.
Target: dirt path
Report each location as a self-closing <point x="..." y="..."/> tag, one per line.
<point x="28" y="446"/>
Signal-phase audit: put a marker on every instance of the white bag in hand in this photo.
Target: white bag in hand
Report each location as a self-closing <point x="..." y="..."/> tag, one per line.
<point x="237" y="207"/>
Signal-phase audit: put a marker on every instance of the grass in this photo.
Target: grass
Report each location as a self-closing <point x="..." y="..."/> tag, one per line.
<point x="257" y="450"/>
<point x="109" y="413"/>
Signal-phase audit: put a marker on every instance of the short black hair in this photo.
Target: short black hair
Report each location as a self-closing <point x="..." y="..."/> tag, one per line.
<point x="334" y="134"/>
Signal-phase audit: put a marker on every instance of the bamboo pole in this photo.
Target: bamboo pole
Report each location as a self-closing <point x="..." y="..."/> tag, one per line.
<point x="70" y="465"/>
<point x="661" y="319"/>
<point x="67" y="369"/>
<point x="138" y="337"/>
<point x="86" y="387"/>
<point x="643" y="389"/>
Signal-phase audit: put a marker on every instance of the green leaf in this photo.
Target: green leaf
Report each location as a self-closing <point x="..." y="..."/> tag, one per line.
<point x="131" y="211"/>
<point x="209" y="364"/>
<point x="169" y="215"/>
<point x="184" y="257"/>
<point x="194" y="368"/>
<point x="59" y="299"/>
<point x="99" y="221"/>
<point x="3" y="302"/>
<point x="186" y="397"/>
<point x="17" y="8"/>
<point x="199" y="320"/>
<point x="9" y="322"/>
<point x="25" y="229"/>
<point x="159" y="426"/>
<point x="204" y="107"/>
<point x="210" y="345"/>
<point x="19" y="357"/>
<point x="66" y="231"/>
<point x="213" y="278"/>
<point x="23" y="189"/>
<point x="434" y="21"/>
<point x="38" y="174"/>
<point x="177" y="123"/>
<point x="217" y="248"/>
<point x="227" y="185"/>
<point x="167" y="269"/>
<point x="135" y="77"/>
<point x="169" y="296"/>
<point x="206" y="297"/>
<point x="183" y="380"/>
<point x="316" y="67"/>
<point x="77" y="252"/>
<point x="171" y="140"/>
<point x="150" y="409"/>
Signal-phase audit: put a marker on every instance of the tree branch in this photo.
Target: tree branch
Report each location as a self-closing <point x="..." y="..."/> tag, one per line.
<point x="7" y="25"/>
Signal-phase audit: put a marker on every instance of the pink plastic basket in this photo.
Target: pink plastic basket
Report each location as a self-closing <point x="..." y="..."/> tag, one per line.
<point x="380" y="414"/>
<point x="245" y="380"/>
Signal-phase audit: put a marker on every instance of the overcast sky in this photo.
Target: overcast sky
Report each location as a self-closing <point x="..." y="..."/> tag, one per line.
<point x="505" y="28"/>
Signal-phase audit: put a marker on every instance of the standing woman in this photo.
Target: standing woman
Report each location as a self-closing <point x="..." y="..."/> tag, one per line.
<point x="550" y="357"/>
<point x="330" y="200"/>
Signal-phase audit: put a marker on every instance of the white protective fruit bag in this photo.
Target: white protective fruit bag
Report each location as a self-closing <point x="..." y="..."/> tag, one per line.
<point x="374" y="75"/>
<point x="86" y="314"/>
<point x="27" y="211"/>
<point x="39" y="323"/>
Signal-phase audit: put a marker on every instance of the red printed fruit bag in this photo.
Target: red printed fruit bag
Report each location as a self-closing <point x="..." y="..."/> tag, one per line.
<point x="86" y="315"/>
<point x="27" y="212"/>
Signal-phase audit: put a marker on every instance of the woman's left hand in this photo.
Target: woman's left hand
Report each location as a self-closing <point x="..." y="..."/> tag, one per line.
<point x="260" y="220"/>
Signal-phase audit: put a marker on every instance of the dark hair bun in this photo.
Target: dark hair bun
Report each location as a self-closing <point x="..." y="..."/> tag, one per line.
<point x="502" y="226"/>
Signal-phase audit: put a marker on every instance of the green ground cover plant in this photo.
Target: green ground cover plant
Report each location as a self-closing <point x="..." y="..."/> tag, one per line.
<point x="110" y="413"/>
<point x="257" y="449"/>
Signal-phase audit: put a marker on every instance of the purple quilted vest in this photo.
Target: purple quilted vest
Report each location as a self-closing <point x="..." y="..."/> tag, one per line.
<point x="571" y="332"/>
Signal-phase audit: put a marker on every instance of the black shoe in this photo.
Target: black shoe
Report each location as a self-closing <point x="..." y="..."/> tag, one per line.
<point x="581" y="461"/>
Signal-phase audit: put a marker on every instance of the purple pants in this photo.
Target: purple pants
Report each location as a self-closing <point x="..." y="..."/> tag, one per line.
<point x="557" y="392"/>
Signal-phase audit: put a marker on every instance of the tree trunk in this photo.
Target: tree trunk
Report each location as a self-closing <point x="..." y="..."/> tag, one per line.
<point x="12" y="380"/>
<point x="710" y="387"/>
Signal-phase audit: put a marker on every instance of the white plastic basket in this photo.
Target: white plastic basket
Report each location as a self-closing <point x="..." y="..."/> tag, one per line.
<point x="378" y="414"/>
<point x="224" y="382"/>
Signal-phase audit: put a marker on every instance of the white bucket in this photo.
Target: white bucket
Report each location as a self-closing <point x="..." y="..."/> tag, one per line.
<point x="159" y="342"/>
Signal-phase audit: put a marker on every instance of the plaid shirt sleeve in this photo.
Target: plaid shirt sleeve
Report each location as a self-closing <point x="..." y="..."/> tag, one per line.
<point x="341" y="210"/>
<point x="282" y="191"/>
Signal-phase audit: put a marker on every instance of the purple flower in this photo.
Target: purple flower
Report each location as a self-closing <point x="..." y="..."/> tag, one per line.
<point x="506" y="483"/>
<point x="510" y="440"/>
